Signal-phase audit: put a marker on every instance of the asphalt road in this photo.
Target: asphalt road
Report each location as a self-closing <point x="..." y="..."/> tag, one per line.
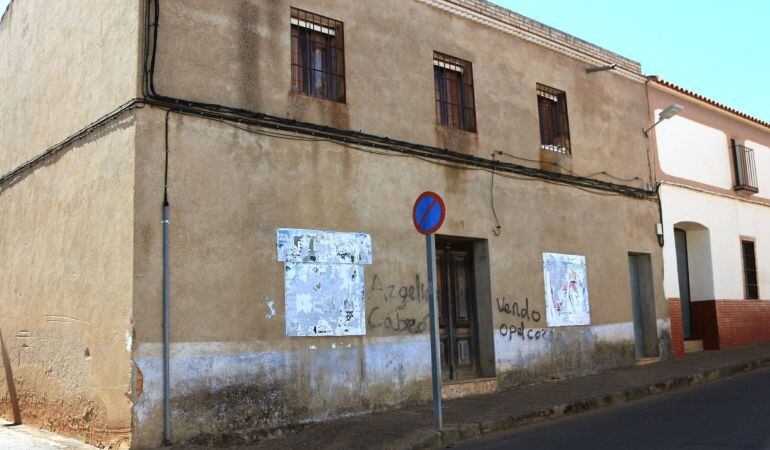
<point x="733" y="413"/>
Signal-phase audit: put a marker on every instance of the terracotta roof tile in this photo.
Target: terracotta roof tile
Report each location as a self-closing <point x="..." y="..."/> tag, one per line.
<point x="711" y="102"/>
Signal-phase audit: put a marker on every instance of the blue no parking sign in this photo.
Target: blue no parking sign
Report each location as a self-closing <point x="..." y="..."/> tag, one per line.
<point x="428" y="216"/>
<point x="428" y="213"/>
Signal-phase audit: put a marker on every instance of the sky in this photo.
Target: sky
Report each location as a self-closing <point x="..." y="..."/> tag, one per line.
<point x="717" y="48"/>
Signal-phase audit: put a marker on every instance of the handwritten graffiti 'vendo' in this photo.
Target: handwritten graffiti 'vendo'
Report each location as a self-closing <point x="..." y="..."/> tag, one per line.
<point x="523" y="312"/>
<point x="324" y="281"/>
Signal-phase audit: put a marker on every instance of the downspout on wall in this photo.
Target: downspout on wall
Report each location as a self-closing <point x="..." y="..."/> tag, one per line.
<point x="166" y="324"/>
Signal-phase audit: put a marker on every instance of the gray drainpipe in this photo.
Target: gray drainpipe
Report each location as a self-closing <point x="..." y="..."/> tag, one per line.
<point x="166" y="325"/>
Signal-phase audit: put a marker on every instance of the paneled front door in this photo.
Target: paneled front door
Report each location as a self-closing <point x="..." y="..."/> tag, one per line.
<point x="457" y="309"/>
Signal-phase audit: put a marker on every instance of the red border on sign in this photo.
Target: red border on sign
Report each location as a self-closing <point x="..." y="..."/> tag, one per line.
<point x="441" y="219"/>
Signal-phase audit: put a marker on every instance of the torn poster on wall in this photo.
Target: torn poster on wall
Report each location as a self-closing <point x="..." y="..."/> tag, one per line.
<point x="324" y="281"/>
<point x="566" y="290"/>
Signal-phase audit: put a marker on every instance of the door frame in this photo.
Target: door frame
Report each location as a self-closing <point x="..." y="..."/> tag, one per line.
<point x="643" y="305"/>
<point x="444" y="245"/>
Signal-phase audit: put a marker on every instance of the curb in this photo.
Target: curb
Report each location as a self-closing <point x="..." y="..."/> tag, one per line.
<point x="455" y="434"/>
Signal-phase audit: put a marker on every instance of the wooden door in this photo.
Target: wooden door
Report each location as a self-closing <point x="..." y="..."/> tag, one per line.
<point x="457" y="309"/>
<point x="683" y="273"/>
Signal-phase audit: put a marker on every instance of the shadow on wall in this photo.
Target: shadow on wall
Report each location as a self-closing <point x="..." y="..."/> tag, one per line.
<point x="701" y="270"/>
<point x="11" y="383"/>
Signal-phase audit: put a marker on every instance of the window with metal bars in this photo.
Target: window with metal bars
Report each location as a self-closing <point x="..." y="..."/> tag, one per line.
<point x="745" y="170"/>
<point x="751" y="286"/>
<point x="453" y="80"/>
<point x="554" y="124"/>
<point x="317" y="56"/>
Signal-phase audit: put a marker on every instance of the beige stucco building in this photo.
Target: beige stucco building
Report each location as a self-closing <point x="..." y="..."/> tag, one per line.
<point x="291" y="136"/>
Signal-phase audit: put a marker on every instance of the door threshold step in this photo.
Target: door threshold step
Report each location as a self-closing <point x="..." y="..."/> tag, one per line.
<point x="647" y="361"/>
<point x="693" y="346"/>
<point x="452" y="389"/>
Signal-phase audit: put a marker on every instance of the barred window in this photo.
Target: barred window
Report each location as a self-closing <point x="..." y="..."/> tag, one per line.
<point x="745" y="168"/>
<point x="554" y="124"/>
<point x="317" y="56"/>
<point x="750" y="283"/>
<point x="453" y="80"/>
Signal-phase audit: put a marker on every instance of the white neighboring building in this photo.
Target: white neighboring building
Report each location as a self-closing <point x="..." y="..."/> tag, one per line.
<point x="713" y="170"/>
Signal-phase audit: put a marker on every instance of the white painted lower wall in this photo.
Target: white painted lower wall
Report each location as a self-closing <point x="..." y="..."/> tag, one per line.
<point x="259" y="381"/>
<point x="517" y="353"/>
<point x="328" y="381"/>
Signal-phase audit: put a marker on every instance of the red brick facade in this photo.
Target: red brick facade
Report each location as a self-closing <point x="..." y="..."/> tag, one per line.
<point x="724" y="324"/>
<point x="677" y="333"/>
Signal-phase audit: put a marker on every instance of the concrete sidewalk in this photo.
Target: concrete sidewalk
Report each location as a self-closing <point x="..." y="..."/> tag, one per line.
<point x="412" y="428"/>
<point x="18" y="437"/>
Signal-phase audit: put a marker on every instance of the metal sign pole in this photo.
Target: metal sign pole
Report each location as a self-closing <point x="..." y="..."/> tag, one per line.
<point x="428" y="216"/>
<point x="435" y="346"/>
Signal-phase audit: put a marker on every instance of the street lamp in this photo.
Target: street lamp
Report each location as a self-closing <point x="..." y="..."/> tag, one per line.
<point x="667" y="113"/>
<point x="601" y="68"/>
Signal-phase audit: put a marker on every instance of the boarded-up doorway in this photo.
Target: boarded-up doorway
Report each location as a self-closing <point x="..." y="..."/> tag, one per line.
<point x="643" y="301"/>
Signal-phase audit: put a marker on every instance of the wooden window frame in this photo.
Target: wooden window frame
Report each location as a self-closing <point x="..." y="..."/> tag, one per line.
<point x="553" y="119"/>
<point x="455" y="97"/>
<point x="753" y="242"/>
<point x="317" y="56"/>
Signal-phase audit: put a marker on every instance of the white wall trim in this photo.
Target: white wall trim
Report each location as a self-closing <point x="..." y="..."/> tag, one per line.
<point x="718" y="194"/>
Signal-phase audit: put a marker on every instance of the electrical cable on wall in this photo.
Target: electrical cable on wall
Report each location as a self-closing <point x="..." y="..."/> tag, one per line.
<point x="557" y="164"/>
<point x="362" y="147"/>
<point x="279" y="127"/>
<point x="166" y="325"/>
<point x="222" y="112"/>
<point x="9" y="176"/>
<point x="498" y="229"/>
<point x="433" y="155"/>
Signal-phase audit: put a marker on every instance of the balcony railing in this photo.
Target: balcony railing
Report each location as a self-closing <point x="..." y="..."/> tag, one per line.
<point x="745" y="169"/>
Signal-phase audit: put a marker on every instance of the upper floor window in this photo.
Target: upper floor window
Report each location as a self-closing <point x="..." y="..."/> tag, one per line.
<point x="744" y="167"/>
<point x="317" y="56"/>
<point x="453" y="80"/>
<point x="751" y="286"/>
<point x="554" y="125"/>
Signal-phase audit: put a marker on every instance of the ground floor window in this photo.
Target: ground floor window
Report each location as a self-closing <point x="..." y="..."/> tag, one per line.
<point x="751" y="287"/>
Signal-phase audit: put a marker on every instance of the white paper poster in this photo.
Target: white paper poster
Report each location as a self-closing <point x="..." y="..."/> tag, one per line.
<point x="324" y="281"/>
<point x="566" y="290"/>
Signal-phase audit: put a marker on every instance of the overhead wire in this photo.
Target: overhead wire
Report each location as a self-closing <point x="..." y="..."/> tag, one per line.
<point x="498" y="228"/>
<point x="361" y="147"/>
<point x="284" y="128"/>
<point x="559" y="165"/>
<point x="349" y="137"/>
<point x="80" y="134"/>
<point x="433" y="155"/>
